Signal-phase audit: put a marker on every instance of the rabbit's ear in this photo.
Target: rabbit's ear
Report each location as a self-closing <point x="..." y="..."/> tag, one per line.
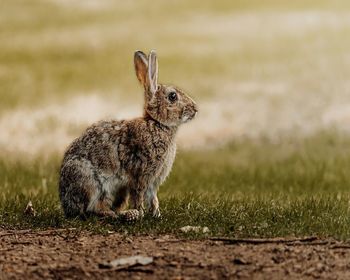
<point x="153" y="71"/>
<point x="141" y="66"/>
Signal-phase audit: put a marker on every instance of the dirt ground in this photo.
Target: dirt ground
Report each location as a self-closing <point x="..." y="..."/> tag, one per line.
<point x="71" y="254"/>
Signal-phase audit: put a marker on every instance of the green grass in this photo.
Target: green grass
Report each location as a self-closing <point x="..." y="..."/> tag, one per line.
<point x="249" y="189"/>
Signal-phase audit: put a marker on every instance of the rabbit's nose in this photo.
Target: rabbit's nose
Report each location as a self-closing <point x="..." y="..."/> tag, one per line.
<point x="195" y="111"/>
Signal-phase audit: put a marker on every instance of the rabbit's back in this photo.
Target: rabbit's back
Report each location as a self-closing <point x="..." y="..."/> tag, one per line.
<point x="99" y="144"/>
<point x="135" y="147"/>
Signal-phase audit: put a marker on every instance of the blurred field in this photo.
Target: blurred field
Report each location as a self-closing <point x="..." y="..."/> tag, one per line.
<point x="270" y="79"/>
<point x="256" y="69"/>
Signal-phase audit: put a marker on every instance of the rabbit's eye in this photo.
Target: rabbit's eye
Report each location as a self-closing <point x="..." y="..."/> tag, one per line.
<point x="172" y="96"/>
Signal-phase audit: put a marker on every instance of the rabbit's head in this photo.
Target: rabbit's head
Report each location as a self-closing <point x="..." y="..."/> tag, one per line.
<point x="167" y="104"/>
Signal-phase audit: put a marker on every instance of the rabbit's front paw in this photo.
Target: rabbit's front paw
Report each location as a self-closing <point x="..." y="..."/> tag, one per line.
<point x="156" y="213"/>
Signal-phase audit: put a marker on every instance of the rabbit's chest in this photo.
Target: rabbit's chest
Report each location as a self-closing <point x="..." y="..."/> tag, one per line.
<point x="165" y="168"/>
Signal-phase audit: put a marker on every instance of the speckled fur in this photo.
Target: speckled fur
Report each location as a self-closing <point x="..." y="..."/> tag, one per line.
<point x="116" y="160"/>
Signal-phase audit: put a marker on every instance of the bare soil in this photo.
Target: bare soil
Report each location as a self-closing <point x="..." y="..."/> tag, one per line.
<point x="71" y="254"/>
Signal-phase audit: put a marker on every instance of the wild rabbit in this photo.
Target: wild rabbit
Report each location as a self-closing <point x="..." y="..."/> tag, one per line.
<point x="114" y="160"/>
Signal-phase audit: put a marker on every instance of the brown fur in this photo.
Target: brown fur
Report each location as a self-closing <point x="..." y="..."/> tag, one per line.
<point x="114" y="160"/>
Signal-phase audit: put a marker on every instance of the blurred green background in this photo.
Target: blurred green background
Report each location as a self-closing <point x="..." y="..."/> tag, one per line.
<point x="257" y="69"/>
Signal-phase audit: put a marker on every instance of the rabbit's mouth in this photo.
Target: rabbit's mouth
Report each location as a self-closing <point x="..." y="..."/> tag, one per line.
<point x="189" y="113"/>
<point x="186" y="118"/>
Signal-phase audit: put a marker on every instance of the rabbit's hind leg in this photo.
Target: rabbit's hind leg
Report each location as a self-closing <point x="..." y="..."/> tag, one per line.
<point x="121" y="200"/>
<point x="77" y="186"/>
<point x="100" y="204"/>
<point x="82" y="192"/>
<point x="136" y="203"/>
<point x="102" y="210"/>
